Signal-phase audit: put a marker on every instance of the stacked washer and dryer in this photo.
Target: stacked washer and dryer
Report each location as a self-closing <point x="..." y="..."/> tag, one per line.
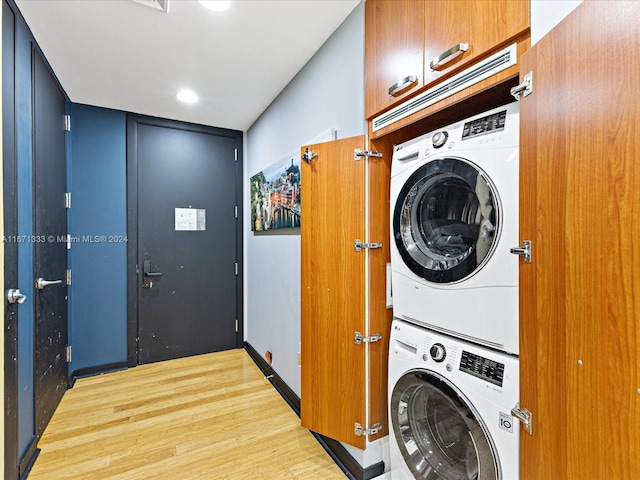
<point x="453" y="353"/>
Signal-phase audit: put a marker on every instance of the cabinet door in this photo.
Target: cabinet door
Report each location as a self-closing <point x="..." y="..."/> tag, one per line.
<point x="394" y="41"/>
<point x="482" y="24"/>
<point x="333" y="291"/>
<point x="580" y="295"/>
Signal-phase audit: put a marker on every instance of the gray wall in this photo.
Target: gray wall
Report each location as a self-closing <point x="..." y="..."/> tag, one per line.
<point x="327" y="93"/>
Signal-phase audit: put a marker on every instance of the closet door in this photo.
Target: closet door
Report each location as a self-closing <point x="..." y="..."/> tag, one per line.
<point x="580" y="295"/>
<point x="333" y="290"/>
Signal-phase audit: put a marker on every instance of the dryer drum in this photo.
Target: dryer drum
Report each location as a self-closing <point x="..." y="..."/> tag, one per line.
<point x="439" y="433"/>
<point x="446" y="221"/>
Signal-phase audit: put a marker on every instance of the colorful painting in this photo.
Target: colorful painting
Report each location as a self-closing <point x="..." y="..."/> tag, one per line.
<point x="275" y="196"/>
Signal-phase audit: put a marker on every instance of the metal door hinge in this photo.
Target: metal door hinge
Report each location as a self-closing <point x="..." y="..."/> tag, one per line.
<point x="360" y="430"/>
<point x="68" y="276"/>
<point x="236" y="325"/>
<point x="67" y="123"/>
<point x="524" y="416"/>
<point x="524" y="251"/>
<point x="236" y="211"/>
<point x="236" y="154"/>
<point x="67" y="200"/>
<point x="68" y="353"/>
<point x="525" y="88"/>
<point x="236" y="268"/>
<point x="68" y="241"/>
<point x="359" y="153"/>
<point x="308" y="155"/>
<point x="358" y="245"/>
<point x="358" y="338"/>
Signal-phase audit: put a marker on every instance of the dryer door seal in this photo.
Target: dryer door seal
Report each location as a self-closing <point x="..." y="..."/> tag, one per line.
<point x="439" y="432"/>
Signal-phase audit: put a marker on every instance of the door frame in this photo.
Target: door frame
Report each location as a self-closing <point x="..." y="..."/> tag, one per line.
<point x="10" y="251"/>
<point x="133" y="283"/>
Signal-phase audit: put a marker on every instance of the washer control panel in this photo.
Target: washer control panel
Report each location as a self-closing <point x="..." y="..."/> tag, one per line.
<point x="482" y="367"/>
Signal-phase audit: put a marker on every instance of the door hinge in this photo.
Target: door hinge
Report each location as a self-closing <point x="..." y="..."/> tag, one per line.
<point x="525" y="88"/>
<point x="67" y="123"/>
<point x="236" y="211"/>
<point x="236" y="325"/>
<point x="308" y="155"/>
<point x="524" y="251"/>
<point x="68" y="241"/>
<point x="68" y="276"/>
<point x="236" y="154"/>
<point x="67" y="200"/>
<point x="358" y="245"/>
<point x="360" y="430"/>
<point x="236" y="268"/>
<point x="68" y="353"/>
<point x="524" y="416"/>
<point x="359" y="153"/>
<point x="358" y="338"/>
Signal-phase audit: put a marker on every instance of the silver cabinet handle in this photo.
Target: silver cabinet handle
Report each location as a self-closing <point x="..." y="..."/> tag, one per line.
<point x="402" y="84"/>
<point x="14" y="296"/>
<point x="41" y="283"/>
<point x="449" y="55"/>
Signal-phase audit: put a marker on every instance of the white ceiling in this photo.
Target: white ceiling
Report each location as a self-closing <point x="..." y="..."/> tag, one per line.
<point x="127" y="55"/>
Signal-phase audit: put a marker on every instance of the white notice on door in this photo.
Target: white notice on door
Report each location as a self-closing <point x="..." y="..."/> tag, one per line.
<point x="190" y="219"/>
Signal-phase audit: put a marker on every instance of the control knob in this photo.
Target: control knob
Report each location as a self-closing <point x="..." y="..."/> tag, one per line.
<point x="438" y="352"/>
<point x="439" y="139"/>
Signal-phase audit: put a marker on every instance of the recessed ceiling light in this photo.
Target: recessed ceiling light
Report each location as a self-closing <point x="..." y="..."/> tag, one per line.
<point x="216" y="5"/>
<point x="187" y="96"/>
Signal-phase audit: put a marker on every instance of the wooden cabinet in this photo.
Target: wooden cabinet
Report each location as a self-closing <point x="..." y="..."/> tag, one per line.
<point x="344" y="383"/>
<point x="580" y="295"/>
<point x="480" y="26"/>
<point x="394" y="50"/>
<point x="403" y="38"/>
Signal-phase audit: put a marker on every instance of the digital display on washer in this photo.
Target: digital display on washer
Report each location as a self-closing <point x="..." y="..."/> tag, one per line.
<point x="485" y="125"/>
<point x="481" y="367"/>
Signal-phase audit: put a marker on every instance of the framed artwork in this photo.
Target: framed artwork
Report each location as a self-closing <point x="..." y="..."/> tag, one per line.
<point x="275" y="196"/>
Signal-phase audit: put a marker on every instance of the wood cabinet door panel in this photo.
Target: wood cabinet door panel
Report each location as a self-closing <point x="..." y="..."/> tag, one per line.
<point x="333" y="291"/>
<point x="483" y="24"/>
<point x="394" y="41"/>
<point x="580" y="296"/>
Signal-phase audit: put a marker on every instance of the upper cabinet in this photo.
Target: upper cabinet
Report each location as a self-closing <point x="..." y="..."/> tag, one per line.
<point x="394" y="52"/>
<point x="460" y="32"/>
<point x="412" y="45"/>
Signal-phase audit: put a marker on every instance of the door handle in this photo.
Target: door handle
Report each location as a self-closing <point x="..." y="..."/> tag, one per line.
<point x="402" y="84"/>
<point x="14" y="296"/>
<point x="41" y="283"/>
<point x="449" y="55"/>
<point x="146" y="269"/>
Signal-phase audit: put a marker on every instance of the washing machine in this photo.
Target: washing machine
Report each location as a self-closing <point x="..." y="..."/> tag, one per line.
<point x="449" y="408"/>
<point x="454" y="218"/>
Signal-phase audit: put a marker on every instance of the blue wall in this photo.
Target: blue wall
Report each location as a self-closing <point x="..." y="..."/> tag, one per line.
<point x="98" y="293"/>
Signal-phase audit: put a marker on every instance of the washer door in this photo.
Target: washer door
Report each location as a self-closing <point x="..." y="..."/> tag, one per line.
<point x="439" y="432"/>
<point x="446" y="220"/>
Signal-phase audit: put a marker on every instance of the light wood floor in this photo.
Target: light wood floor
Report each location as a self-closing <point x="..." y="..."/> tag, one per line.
<point x="207" y="417"/>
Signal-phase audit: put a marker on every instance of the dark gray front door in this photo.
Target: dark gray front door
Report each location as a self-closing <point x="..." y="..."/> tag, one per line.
<point x="49" y="247"/>
<point x="183" y="191"/>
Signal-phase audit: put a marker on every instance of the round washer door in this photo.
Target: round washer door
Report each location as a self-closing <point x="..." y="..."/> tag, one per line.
<point x="438" y="431"/>
<point x="446" y="220"/>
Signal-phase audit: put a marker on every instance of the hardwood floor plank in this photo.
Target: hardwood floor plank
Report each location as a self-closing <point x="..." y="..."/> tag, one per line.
<point x="206" y="417"/>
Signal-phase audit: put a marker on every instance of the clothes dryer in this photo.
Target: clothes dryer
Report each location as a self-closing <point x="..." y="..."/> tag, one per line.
<point x="450" y="408"/>
<point x="454" y="219"/>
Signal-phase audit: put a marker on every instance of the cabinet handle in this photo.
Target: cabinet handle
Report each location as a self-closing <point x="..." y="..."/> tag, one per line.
<point x="449" y="55"/>
<point x="402" y="84"/>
